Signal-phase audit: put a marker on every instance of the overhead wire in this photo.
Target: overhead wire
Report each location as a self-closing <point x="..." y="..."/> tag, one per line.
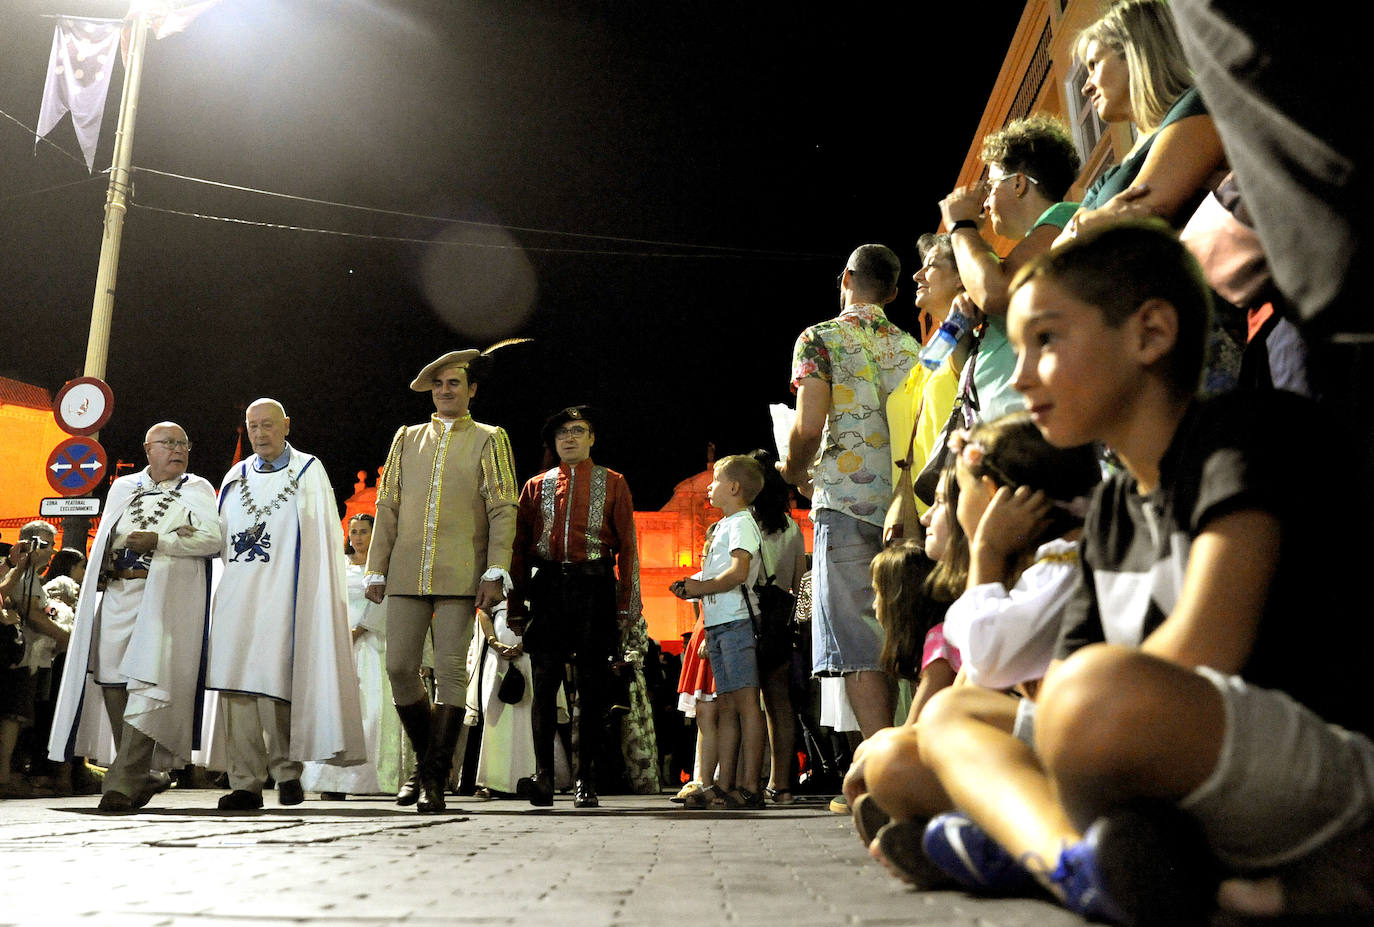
<point x="61" y="186"/>
<point x="457" y="244"/>
<point x="689" y="249"/>
<point x="44" y="140"/>
<point x="726" y="250"/>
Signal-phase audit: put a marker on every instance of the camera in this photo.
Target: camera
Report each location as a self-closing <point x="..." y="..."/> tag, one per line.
<point x="31" y="544"/>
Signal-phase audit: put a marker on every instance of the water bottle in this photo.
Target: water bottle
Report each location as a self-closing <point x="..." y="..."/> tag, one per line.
<point x="938" y="350"/>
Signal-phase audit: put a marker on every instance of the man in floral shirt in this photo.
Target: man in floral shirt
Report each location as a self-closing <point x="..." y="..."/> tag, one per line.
<point x="842" y="373"/>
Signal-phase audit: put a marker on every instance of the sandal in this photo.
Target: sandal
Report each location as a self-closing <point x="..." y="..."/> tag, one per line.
<point x="868" y="818"/>
<point x="778" y="796"/>
<point x="746" y="800"/>
<point x="709" y="798"/>
<point x="897" y="846"/>
<point x="686" y="790"/>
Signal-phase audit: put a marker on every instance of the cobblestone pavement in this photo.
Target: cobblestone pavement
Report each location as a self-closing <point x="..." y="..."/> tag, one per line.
<point x="635" y="861"/>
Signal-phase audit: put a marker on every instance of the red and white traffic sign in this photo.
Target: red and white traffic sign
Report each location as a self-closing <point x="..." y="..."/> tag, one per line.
<point x="83" y="405"/>
<point x="76" y="466"/>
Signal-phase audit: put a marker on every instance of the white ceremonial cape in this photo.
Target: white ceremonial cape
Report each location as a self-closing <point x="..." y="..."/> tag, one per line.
<point x="326" y="719"/>
<point x="163" y="662"/>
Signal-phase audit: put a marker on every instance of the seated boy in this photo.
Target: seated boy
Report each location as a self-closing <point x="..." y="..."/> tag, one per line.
<point x="1185" y="721"/>
<point x="732" y="561"/>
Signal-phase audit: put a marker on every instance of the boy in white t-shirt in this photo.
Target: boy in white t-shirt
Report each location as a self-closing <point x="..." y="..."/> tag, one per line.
<point x="732" y="564"/>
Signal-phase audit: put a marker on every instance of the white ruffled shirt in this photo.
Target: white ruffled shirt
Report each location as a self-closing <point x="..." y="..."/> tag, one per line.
<point x="1006" y="636"/>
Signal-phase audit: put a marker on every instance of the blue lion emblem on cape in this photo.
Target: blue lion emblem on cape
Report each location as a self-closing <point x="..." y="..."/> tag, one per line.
<point x="255" y="542"/>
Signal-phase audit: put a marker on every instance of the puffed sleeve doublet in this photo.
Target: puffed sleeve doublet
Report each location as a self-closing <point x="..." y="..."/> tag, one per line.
<point x="445" y="508"/>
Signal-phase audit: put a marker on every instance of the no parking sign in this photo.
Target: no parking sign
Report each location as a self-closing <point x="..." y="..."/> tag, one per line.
<point x="76" y="466"/>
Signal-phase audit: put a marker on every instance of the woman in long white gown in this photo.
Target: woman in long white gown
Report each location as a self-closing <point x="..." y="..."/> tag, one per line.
<point x="387" y="750"/>
<point x="507" y="753"/>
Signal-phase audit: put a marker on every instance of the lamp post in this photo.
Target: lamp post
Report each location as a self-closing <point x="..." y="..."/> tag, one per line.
<point x="116" y="205"/>
<point x="116" y="197"/>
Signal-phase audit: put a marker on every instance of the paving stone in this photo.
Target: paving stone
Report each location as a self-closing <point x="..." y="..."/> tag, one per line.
<point x="638" y="861"/>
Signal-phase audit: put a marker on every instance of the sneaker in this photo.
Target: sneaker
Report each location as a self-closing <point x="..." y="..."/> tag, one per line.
<point x="1145" y="863"/>
<point x="839" y="804"/>
<point x="686" y="790"/>
<point x="966" y="853"/>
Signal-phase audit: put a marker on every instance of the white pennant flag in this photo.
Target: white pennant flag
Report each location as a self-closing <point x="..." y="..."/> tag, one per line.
<point x="79" y="71"/>
<point x="174" y="21"/>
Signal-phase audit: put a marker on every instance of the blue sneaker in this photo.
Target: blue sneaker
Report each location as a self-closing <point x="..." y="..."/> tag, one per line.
<point x="969" y="856"/>
<point x="1142" y="864"/>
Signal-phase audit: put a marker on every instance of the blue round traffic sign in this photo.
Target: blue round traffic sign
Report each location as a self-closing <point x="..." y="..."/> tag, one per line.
<point x="76" y="466"/>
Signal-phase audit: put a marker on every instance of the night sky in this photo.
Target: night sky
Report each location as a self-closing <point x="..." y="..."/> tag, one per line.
<point x="730" y="154"/>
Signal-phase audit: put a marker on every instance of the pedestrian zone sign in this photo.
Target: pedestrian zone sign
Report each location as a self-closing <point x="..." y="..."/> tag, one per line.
<point x="61" y="507"/>
<point x="76" y="466"/>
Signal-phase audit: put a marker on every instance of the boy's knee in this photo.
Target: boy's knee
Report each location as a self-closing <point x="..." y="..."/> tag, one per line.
<point x="1098" y="711"/>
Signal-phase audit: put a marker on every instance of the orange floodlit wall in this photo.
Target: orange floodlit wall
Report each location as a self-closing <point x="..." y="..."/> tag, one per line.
<point x="28" y="434"/>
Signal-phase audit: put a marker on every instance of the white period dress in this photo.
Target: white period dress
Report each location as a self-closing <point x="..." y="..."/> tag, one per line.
<point x="507" y="731"/>
<point x="388" y="754"/>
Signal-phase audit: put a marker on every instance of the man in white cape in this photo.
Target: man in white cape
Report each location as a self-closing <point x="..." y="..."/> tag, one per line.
<point x="280" y="655"/>
<point x="137" y="646"/>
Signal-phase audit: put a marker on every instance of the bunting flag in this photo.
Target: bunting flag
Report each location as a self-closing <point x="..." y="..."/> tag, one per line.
<point x="174" y="21"/>
<point x="79" y="71"/>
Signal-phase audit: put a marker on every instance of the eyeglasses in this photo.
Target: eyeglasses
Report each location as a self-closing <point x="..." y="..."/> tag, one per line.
<point x="994" y="181"/>
<point x="171" y="445"/>
<point x="572" y="431"/>
<point x="839" y="281"/>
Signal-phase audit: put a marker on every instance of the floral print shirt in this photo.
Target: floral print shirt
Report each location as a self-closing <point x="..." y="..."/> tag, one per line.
<point x="864" y="358"/>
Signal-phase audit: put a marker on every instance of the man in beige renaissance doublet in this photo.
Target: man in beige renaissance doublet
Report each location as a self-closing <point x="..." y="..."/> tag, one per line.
<point x="441" y="548"/>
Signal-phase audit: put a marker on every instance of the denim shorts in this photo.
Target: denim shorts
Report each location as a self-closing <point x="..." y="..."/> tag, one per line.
<point x="845" y="634"/>
<point x="734" y="662"/>
<point x="1285" y="783"/>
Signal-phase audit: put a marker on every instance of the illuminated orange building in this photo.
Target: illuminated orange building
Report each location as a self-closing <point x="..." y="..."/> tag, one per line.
<point x="670" y="546"/>
<point x="28" y="434"/>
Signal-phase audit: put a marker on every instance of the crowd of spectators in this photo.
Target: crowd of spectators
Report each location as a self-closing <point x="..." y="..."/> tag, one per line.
<point x="1090" y="619"/>
<point x="1077" y="676"/>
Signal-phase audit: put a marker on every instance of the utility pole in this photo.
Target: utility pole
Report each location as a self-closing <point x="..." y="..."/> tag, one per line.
<point x="116" y="205"/>
<point x="116" y="197"/>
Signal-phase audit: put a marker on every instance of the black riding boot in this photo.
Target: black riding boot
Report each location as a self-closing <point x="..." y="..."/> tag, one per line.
<point x="415" y="719"/>
<point x="434" y="768"/>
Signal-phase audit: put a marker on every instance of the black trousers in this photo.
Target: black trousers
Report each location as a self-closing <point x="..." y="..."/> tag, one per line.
<point x="572" y="622"/>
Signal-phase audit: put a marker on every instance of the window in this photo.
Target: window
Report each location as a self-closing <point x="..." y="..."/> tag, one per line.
<point x="1087" y="126"/>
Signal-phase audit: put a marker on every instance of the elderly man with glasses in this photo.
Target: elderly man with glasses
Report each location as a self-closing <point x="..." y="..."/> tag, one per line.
<point x="576" y="572"/>
<point x="139" y="643"/>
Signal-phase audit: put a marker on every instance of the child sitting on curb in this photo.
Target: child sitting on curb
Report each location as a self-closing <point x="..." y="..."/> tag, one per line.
<point x="1178" y="727"/>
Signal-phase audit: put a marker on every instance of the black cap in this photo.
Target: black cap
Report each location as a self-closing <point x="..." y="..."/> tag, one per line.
<point x="570" y="414"/>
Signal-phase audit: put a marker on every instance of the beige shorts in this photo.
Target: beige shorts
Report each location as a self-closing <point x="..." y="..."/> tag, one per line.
<point x="1286" y="781"/>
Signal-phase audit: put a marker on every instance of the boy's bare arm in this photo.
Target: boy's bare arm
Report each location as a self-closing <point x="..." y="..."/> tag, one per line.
<point x="737" y="573"/>
<point x="1230" y="567"/>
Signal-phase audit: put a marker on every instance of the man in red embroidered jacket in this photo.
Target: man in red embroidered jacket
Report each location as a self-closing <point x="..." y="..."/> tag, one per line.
<point x="575" y="567"/>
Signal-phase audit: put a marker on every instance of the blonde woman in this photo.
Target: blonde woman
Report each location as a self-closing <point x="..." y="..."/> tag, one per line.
<point x="1137" y="74"/>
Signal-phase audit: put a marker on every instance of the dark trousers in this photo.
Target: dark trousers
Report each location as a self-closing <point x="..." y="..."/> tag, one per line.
<point x="572" y="622"/>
